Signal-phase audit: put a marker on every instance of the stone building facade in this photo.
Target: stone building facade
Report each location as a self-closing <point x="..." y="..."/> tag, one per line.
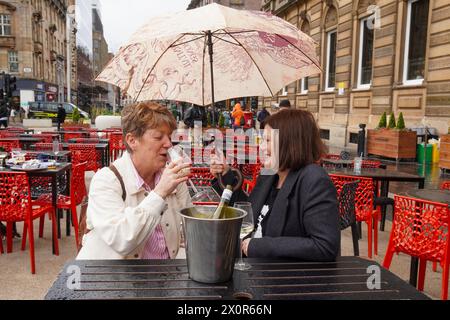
<point x="377" y="56"/>
<point x="33" y="48"/>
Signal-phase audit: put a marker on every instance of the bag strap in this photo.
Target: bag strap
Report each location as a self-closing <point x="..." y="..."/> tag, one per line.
<point x="122" y="184"/>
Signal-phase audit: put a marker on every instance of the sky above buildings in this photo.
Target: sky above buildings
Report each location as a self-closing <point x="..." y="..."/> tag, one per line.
<point x="121" y="18"/>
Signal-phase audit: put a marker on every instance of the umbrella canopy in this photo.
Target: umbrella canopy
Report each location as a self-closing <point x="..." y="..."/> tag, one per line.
<point x="210" y="54"/>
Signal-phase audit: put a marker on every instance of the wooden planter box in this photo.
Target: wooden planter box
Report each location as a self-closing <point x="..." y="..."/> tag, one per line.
<point x="392" y="143"/>
<point x="444" y="156"/>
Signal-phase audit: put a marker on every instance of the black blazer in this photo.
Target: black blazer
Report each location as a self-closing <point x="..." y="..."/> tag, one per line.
<point x="304" y="222"/>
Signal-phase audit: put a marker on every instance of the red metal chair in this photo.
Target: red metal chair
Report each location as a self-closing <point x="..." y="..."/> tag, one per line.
<point x="420" y="229"/>
<point x="9" y="145"/>
<point x="77" y="196"/>
<point x="15" y="129"/>
<point x="17" y="206"/>
<point x="116" y="145"/>
<point x="72" y="135"/>
<point x="46" y="138"/>
<point x="254" y="170"/>
<point x="9" y="134"/>
<point x="332" y="156"/>
<point x="201" y="177"/>
<point x="445" y="185"/>
<point x="86" y="140"/>
<point x="85" y="153"/>
<point x="364" y="206"/>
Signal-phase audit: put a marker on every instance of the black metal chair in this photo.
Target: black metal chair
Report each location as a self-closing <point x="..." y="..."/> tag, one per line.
<point x="347" y="216"/>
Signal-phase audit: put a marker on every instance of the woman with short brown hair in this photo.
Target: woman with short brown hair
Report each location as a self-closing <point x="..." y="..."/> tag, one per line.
<point x="133" y="204"/>
<point x="296" y="211"/>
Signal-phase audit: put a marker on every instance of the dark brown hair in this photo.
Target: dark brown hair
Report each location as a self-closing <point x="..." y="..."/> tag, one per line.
<point x="140" y="117"/>
<point x="299" y="138"/>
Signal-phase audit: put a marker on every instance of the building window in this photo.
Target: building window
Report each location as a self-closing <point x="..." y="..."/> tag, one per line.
<point x="304" y="85"/>
<point x="365" y="54"/>
<point x="5" y="25"/>
<point x="325" y="134"/>
<point x="284" y="92"/>
<point x="13" y="59"/>
<point x="415" y="42"/>
<point x="330" y="81"/>
<point x="353" y="138"/>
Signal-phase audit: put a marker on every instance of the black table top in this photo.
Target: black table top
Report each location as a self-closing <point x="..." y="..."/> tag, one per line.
<point x="61" y="167"/>
<point x="22" y="139"/>
<point x="268" y="280"/>
<point x="378" y="174"/>
<point x="442" y="196"/>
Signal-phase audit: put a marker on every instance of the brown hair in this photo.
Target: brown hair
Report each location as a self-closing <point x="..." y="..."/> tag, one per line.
<point x="140" y="117"/>
<point x="299" y="138"/>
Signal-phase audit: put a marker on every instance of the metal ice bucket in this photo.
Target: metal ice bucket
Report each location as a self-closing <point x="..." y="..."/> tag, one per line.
<point x="211" y="245"/>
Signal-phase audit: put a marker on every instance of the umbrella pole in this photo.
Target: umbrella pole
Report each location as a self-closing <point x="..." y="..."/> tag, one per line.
<point x="211" y="60"/>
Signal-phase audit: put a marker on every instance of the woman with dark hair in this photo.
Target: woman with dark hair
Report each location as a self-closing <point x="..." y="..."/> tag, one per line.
<point x="296" y="210"/>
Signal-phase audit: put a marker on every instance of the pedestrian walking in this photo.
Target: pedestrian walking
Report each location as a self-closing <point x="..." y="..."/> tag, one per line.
<point x="238" y="116"/>
<point x="262" y="116"/>
<point x="61" y="116"/>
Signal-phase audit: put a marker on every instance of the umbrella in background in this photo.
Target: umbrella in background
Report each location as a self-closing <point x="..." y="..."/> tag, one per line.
<point x="212" y="53"/>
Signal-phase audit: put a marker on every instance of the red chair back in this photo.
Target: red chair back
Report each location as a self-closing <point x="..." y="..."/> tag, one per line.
<point x="445" y="185"/>
<point x="363" y="197"/>
<point x="15" y="197"/>
<point x="9" y="134"/>
<point x="77" y="183"/>
<point x="85" y="153"/>
<point x="46" y="138"/>
<point x="201" y="177"/>
<point x="420" y="228"/>
<point x="9" y="145"/>
<point x="86" y="140"/>
<point x="72" y="135"/>
<point x="116" y="145"/>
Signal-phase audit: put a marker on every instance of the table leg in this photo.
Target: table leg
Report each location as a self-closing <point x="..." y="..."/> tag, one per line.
<point x="414" y="268"/>
<point x="55" y="205"/>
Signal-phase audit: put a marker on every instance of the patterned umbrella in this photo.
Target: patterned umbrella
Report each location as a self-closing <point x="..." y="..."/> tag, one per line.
<point x="212" y="53"/>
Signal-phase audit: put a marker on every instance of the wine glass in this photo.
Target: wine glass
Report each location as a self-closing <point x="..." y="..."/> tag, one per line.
<point x="56" y="148"/>
<point x="247" y="228"/>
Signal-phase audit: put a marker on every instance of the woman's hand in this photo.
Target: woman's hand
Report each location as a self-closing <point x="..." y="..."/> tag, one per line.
<point x="172" y="176"/>
<point x="244" y="246"/>
<point x="218" y="166"/>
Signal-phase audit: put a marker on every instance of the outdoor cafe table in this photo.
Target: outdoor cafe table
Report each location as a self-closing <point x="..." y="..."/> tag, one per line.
<point x="385" y="176"/>
<point x="26" y="135"/>
<point x="441" y="196"/>
<point x="348" y="278"/>
<point x="61" y="170"/>
<point x="25" y="143"/>
<point x="344" y="163"/>
<point x="90" y="140"/>
<point x="63" y="156"/>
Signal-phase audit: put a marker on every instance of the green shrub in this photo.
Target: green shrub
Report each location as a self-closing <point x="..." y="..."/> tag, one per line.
<point x="401" y="122"/>
<point x="392" y="124"/>
<point x="76" y="115"/>
<point x="383" y="121"/>
<point x="221" y="121"/>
